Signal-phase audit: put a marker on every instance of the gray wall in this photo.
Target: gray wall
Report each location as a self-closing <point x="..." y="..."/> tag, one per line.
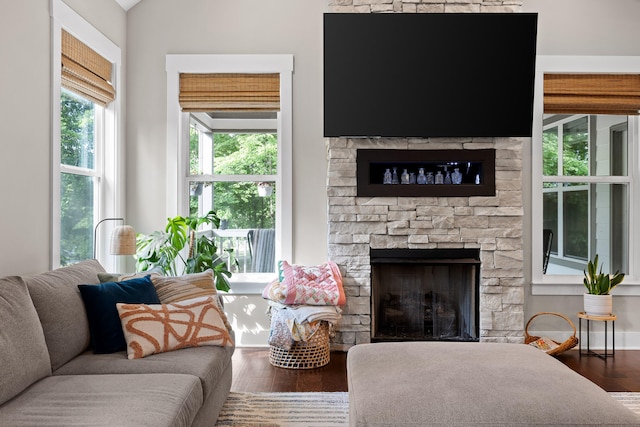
<point x="25" y="123"/>
<point x="154" y="28"/>
<point x="582" y="27"/>
<point x="160" y="27"/>
<point x="586" y="27"/>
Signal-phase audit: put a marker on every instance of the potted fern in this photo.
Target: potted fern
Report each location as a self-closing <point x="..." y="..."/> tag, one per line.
<point x="598" y="300"/>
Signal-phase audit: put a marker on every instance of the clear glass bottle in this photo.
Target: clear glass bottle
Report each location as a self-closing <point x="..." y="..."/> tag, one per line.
<point x="456" y="176"/>
<point x="404" y="178"/>
<point x="430" y="179"/>
<point x="394" y="176"/>
<point x="387" y="177"/>
<point x="439" y="178"/>
<point x="421" y="179"/>
<point x="447" y="178"/>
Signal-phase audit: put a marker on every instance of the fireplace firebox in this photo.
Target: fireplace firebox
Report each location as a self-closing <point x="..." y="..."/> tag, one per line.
<point x="425" y="294"/>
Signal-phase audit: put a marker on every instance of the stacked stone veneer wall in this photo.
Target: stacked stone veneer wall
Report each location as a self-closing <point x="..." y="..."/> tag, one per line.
<point x="492" y="224"/>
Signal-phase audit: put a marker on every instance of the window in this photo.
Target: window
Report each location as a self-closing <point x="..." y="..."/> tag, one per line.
<point x="84" y="184"/>
<point x="234" y="161"/>
<point x="585" y="190"/>
<point x="233" y="170"/>
<point x="585" y="168"/>
<point x="80" y="175"/>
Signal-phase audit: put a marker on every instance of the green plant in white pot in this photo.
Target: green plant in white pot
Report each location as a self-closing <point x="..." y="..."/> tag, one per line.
<point x="598" y="300"/>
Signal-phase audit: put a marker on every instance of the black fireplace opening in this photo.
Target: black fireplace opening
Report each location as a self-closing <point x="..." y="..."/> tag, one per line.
<point x="425" y="294"/>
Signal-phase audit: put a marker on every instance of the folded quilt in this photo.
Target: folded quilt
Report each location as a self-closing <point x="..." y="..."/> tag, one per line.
<point x="279" y="335"/>
<point x="285" y="330"/>
<point x="310" y="313"/>
<point x="307" y="285"/>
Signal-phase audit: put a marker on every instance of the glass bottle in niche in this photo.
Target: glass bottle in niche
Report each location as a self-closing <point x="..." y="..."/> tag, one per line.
<point x="387" y="177"/>
<point x="430" y="179"/>
<point x="394" y="176"/>
<point x="447" y="178"/>
<point x="412" y="178"/>
<point x="439" y="178"/>
<point x="477" y="178"/>
<point x="421" y="179"/>
<point x="456" y="176"/>
<point x="404" y="178"/>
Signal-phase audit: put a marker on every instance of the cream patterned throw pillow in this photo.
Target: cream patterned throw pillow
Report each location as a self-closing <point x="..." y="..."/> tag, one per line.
<point x="157" y="328"/>
<point x="180" y="288"/>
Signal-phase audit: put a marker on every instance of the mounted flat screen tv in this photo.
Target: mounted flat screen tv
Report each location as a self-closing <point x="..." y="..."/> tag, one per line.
<point x="429" y="74"/>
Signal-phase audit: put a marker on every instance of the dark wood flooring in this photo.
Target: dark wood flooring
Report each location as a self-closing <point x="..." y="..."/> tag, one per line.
<point x="252" y="372"/>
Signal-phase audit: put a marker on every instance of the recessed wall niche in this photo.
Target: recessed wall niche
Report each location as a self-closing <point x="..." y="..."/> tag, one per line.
<point x="425" y="173"/>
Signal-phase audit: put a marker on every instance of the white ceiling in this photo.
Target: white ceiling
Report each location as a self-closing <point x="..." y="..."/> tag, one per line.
<point x="127" y="4"/>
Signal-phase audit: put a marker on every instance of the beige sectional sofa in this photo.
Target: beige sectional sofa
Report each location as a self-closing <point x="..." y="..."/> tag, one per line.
<point x="49" y="375"/>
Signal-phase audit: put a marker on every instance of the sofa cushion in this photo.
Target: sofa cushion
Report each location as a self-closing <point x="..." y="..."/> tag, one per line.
<point x="106" y="400"/>
<point x="188" y="286"/>
<point x="24" y="358"/>
<point x="59" y="305"/>
<point x="177" y="288"/>
<point x="207" y="363"/>
<point x="119" y="277"/>
<point x="156" y="328"/>
<point x="100" y="302"/>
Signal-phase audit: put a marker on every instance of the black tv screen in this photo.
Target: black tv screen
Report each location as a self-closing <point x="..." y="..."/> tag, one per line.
<point x="429" y="74"/>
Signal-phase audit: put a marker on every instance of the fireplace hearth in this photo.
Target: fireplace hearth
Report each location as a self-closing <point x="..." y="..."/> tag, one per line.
<point x="424" y="295"/>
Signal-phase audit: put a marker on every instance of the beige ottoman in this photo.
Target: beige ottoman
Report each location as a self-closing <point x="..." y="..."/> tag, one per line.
<point x="468" y="384"/>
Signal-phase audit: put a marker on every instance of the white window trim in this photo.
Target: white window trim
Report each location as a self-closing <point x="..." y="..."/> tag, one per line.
<point x="572" y="284"/>
<point x="110" y="159"/>
<point x="178" y="127"/>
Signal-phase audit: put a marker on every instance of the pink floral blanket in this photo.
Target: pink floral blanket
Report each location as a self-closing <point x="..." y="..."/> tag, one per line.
<point x="307" y="285"/>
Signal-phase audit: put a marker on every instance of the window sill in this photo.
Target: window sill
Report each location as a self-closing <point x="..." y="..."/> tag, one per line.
<point x="549" y="288"/>
<point x="249" y="284"/>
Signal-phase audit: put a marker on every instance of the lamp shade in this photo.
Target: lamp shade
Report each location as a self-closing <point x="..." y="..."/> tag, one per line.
<point x="123" y="240"/>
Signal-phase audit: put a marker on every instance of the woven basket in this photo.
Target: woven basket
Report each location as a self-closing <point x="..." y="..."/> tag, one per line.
<point x="568" y="344"/>
<point x="310" y="354"/>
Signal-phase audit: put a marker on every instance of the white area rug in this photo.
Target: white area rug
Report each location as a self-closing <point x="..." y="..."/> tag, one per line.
<point x="285" y="410"/>
<point x="630" y="400"/>
<point x="312" y="409"/>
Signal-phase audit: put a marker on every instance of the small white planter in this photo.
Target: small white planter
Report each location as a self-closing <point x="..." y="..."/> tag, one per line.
<point x="598" y="305"/>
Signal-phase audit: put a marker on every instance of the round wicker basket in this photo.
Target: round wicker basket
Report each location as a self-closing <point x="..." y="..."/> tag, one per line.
<point x="567" y="344"/>
<point x="310" y="354"/>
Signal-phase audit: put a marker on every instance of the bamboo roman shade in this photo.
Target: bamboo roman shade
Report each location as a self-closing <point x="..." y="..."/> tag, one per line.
<point x="229" y="92"/>
<point x="85" y="72"/>
<point x="592" y="94"/>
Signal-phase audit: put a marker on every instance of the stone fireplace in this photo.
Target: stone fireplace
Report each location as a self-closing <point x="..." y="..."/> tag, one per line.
<point x="492" y="224"/>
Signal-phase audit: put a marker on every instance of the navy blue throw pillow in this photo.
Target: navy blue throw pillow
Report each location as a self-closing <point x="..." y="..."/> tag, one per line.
<point x="100" y="304"/>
